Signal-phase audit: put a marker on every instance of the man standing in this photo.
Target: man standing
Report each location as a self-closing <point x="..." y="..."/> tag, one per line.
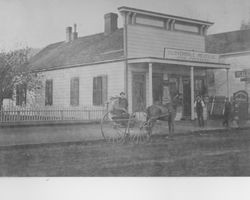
<point x="227" y="113"/>
<point x="199" y="105"/>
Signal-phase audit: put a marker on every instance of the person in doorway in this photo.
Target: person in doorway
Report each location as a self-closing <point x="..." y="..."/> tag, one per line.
<point x="227" y="113"/>
<point x="199" y="106"/>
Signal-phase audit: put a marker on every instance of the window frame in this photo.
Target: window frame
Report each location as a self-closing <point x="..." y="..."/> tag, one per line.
<point x="74" y="91"/>
<point x="49" y="92"/>
<point x="21" y="94"/>
<point x="101" y="93"/>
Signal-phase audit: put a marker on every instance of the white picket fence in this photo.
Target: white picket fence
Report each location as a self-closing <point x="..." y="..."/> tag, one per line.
<point x="19" y="114"/>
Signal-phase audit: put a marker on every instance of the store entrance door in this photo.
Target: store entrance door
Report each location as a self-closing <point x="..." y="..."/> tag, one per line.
<point x="186" y="98"/>
<point x="157" y="88"/>
<point x="138" y="92"/>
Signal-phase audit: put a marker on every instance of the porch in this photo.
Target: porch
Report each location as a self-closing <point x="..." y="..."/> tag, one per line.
<point x="153" y="80"/>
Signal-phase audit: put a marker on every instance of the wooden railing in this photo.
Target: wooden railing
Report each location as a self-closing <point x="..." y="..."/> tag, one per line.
<point x="51" y="114"/>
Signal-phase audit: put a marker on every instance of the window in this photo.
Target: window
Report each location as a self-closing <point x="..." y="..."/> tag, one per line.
<point x="186" y="27"/>
<point x="21" y="92"/>
<point x="200" y="87"/>
<point x="74" y="91"/>
<point x="49" y="92"/>
<point x="150" y="21"/>
<point x="100" y="90"/>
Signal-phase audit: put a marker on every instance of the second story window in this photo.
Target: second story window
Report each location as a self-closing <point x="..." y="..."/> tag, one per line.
<point x="49" y="92"/>
<point x="74" y="91"/>
<point x="186" y="27"/>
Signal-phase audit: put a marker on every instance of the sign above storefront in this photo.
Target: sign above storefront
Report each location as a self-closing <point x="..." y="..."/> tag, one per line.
<point x="244" y="75"/>
<point x="240" y="74"/>
<point x="190" y="55"/>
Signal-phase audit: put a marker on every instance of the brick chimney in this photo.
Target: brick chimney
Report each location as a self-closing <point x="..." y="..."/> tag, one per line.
<point x="110" y="24"/>
<point x="75" y="34"/>
<point x="68" y="34"/>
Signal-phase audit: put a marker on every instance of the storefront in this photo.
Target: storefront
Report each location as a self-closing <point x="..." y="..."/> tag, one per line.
<point x="180" y="72"/>
<point x="165" y="55"/>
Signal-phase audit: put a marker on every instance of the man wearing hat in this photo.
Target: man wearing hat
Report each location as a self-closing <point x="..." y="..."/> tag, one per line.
<point x="199" y="106"/>
<point x="121" y="109"/>
<point x="123" y="102"/>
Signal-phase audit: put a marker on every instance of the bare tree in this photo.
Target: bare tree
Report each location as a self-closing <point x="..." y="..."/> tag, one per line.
<point x="15" y="70"/>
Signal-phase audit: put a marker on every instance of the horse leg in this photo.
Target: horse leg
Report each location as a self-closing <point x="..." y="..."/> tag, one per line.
<point x="169" y="127"/>
<point x="150" y="125"/>
<point x="170" y="124"/>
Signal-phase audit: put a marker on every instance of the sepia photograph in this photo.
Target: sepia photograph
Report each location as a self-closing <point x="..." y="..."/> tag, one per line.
<point x="122" y="88"/>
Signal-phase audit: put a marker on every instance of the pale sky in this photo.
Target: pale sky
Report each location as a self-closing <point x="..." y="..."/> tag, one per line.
<point x="37" y="23"/>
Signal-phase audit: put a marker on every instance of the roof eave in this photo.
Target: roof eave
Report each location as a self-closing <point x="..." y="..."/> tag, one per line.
<point x="162" y="15"/>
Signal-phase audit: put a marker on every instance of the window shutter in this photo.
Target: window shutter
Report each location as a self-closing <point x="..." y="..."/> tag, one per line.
<point x="24" y="92"/>
<point x="17" y="95"/>
<point x="104" y="89"/>
<point x="74" y="91"/>
<point x="49" y="92"/>
<point x="21" y="94"/>
<point x="77" y="91"/>
<point x="94" y="90"/>
<point x="46" y="93"/>
<point x="99" y="90"/>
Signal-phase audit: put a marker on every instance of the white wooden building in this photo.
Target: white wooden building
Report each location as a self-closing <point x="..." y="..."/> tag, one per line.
<point x="233" y="48"/>
<point x="151" y="53"/>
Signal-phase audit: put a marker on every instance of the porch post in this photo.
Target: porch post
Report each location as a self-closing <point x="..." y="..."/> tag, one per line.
<point x="192" y="91"/>
<point x="150" y="84"/>
<point x="227" y="83"/>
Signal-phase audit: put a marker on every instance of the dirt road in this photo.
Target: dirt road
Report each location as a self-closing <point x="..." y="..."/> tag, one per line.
<point x="211" y="154"/>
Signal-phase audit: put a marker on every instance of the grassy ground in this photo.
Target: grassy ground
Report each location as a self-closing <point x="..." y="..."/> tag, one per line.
<point x="211" y="154"/>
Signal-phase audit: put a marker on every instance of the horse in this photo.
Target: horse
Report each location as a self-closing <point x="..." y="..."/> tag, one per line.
<point x="165" y="112"/>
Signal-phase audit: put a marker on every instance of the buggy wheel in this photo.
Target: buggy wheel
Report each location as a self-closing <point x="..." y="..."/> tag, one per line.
<point x="137" y="127"/>
<point x="112" y="130"/>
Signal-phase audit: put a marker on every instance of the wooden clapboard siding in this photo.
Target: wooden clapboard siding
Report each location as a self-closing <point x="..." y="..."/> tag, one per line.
<point x="61" y="82"/>
<point x="238" y="62"/>
<point x="149" y="41"/>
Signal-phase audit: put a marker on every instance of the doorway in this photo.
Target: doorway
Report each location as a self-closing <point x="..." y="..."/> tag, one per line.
<point x="157" y="87"/>
<point x="138" y="92"/>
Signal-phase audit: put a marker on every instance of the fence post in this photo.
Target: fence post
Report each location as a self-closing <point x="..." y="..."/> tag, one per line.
<point x="18" y="115"/>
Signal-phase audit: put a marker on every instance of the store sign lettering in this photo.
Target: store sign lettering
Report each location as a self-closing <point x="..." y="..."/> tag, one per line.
<point x="190" y="55"/>
<point x="240" y="74"/>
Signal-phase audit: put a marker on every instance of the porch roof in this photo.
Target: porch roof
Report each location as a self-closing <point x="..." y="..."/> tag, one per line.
<point x="199" y="64"/>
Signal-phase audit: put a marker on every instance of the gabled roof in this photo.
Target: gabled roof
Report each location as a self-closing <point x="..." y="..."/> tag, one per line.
<point x="228" y="42"/>
<point x="88" y="49"/>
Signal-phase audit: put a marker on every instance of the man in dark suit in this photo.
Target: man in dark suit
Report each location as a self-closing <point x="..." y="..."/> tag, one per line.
<point x="227" y="113"/>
